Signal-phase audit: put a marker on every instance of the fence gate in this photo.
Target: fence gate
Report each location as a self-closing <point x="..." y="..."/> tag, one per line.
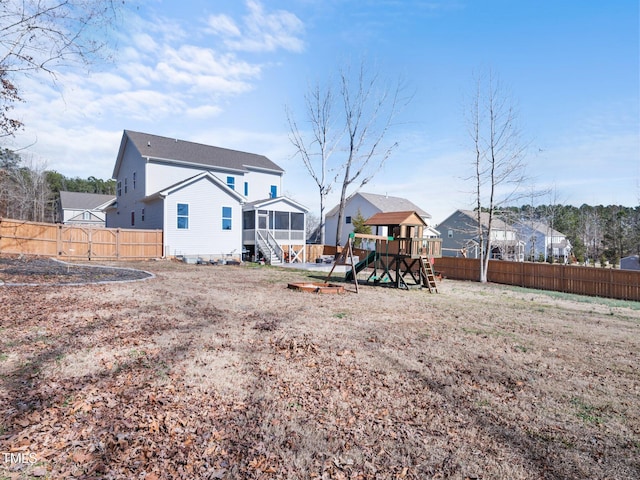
<point x="74" y="242"/>
<point x="87" y="242"/>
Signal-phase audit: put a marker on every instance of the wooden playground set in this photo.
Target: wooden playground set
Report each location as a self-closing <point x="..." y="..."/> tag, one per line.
<point x="402" y="258"/>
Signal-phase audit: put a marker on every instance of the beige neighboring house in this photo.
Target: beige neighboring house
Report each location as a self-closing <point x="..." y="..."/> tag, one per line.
<point x="83" y="208"/>
<point x="369" y="204"/>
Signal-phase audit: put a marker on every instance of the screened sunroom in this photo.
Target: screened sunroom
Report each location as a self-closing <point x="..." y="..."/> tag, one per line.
<point x="273" y="230"/>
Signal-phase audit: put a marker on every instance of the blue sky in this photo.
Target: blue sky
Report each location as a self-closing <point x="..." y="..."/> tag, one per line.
<point x="222" y="72"/>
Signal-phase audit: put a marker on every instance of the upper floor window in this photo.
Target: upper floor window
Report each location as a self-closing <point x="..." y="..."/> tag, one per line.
<point x="231" y="183"/>
<point x="125" y="185"/>
<point x="226" y="218"/>
<point x="183" y="215"/>
<point x="348" y="219"/>
<point x="450" y="233"/>
<point x="273" y="192"/>
<point x="142" y="215"/>
<point x="246" y="189"/>
<point x="119" y="189"/>
<point x="133" y="218"/>
<point x="86" y="215"/>
<point x="134" y="180"/>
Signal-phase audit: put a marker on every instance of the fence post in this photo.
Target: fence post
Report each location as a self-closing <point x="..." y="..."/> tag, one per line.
<point x="89" y="243"/>
<point x="59" y="241"/>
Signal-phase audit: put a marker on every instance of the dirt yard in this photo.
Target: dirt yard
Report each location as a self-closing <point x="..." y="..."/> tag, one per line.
<point x="221" y="372"/>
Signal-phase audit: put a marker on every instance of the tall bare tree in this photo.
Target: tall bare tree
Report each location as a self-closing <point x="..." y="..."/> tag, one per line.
<point x="499" y="156"/>
<point x="41" y="36"/>
<point x="25" y="192"/>
<point x="347" y="131"/>
<point x="317" y="151"/>
<point x="370" y="107"/>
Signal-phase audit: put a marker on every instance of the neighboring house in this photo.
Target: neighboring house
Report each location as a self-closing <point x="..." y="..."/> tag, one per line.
<point x="460" y="237"/>
<point x="543" y="242"/>
<point x="369" y="204"/>
<point x="630" y="263"/>
<point x="83" y="208"/>
<point x="199" y="195"/>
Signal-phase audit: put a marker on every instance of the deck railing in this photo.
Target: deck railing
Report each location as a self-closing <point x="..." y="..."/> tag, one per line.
<point x="417" y="247"/>
<point x="282" y="236"/>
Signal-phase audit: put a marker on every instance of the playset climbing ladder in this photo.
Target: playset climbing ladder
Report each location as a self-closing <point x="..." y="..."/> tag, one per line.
<point x="428" y="275"/>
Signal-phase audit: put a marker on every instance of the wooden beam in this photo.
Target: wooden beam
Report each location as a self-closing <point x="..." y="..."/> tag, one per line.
<point x="369" y="236"/>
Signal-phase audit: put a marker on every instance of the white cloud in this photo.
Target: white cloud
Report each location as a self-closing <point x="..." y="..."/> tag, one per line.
<point x="261" y="31"/>
<point x="144" y="42"/>
<point x="223" y="25"/>
<point x="203" y="112"/>
<point x="161" y="75"/>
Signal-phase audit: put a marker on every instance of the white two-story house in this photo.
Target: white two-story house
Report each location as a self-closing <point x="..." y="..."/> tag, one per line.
<point x="207" y="200"/>
<point x="543" y="242"/>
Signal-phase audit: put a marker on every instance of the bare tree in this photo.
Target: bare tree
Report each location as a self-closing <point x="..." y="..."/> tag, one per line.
<point x="25" y="192"/>
<point x="41" y="36"/>
<point x="551" y="212"/>
<point x="370" y="108"/>
<point x="316" y="153"/>
<point x="499" y="157"/>
<point x="346" y="134"/>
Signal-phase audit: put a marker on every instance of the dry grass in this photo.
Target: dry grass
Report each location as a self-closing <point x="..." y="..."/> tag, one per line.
<point x="222" y="372"/>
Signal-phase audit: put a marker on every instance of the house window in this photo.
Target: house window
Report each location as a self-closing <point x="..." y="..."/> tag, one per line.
<point x="134" y="180"/>
<point x="183" y="215"/>
<point x="226" y="218"/>
<point x="86" y="216"/>
<point x="348" y="219"/>
<point x="450" y="233"/>
<point x="119" y="189"/>
<point x="125" y="185"/>
<point x="246" y="189"/>
<point x="133" y="218"/>
<point x="231" y="183"/>
<point x="142" y="215"/>
<point x="274" y="191"/>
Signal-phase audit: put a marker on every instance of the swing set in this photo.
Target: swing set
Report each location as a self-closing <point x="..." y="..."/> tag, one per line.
<point x="403" y="260"/>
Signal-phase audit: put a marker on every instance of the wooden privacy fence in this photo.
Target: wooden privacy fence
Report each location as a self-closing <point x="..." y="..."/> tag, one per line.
<point x="78" y="242"/>
<point x="600" y="282"/>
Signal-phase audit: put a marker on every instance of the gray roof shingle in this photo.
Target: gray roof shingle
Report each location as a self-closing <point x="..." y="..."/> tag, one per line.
<point x="163" y="148"/>
<point x="386" y="203"/>
<point x="82" y="200"/>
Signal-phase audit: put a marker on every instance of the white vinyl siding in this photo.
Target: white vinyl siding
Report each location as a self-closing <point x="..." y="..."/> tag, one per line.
<point x="351" y="210"/>
<point x="154" y="213"/>
<point x="260" y="185"/>
<point x="160" y="176"/>
<point x="205" y="235"/>
<point x="129" y="199"/>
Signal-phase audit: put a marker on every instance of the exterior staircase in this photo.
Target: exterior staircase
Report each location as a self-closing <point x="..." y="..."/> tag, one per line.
<point x="268" y="252"/>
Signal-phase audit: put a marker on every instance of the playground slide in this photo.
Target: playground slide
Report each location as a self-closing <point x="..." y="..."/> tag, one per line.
<point x="362" y="264"/>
